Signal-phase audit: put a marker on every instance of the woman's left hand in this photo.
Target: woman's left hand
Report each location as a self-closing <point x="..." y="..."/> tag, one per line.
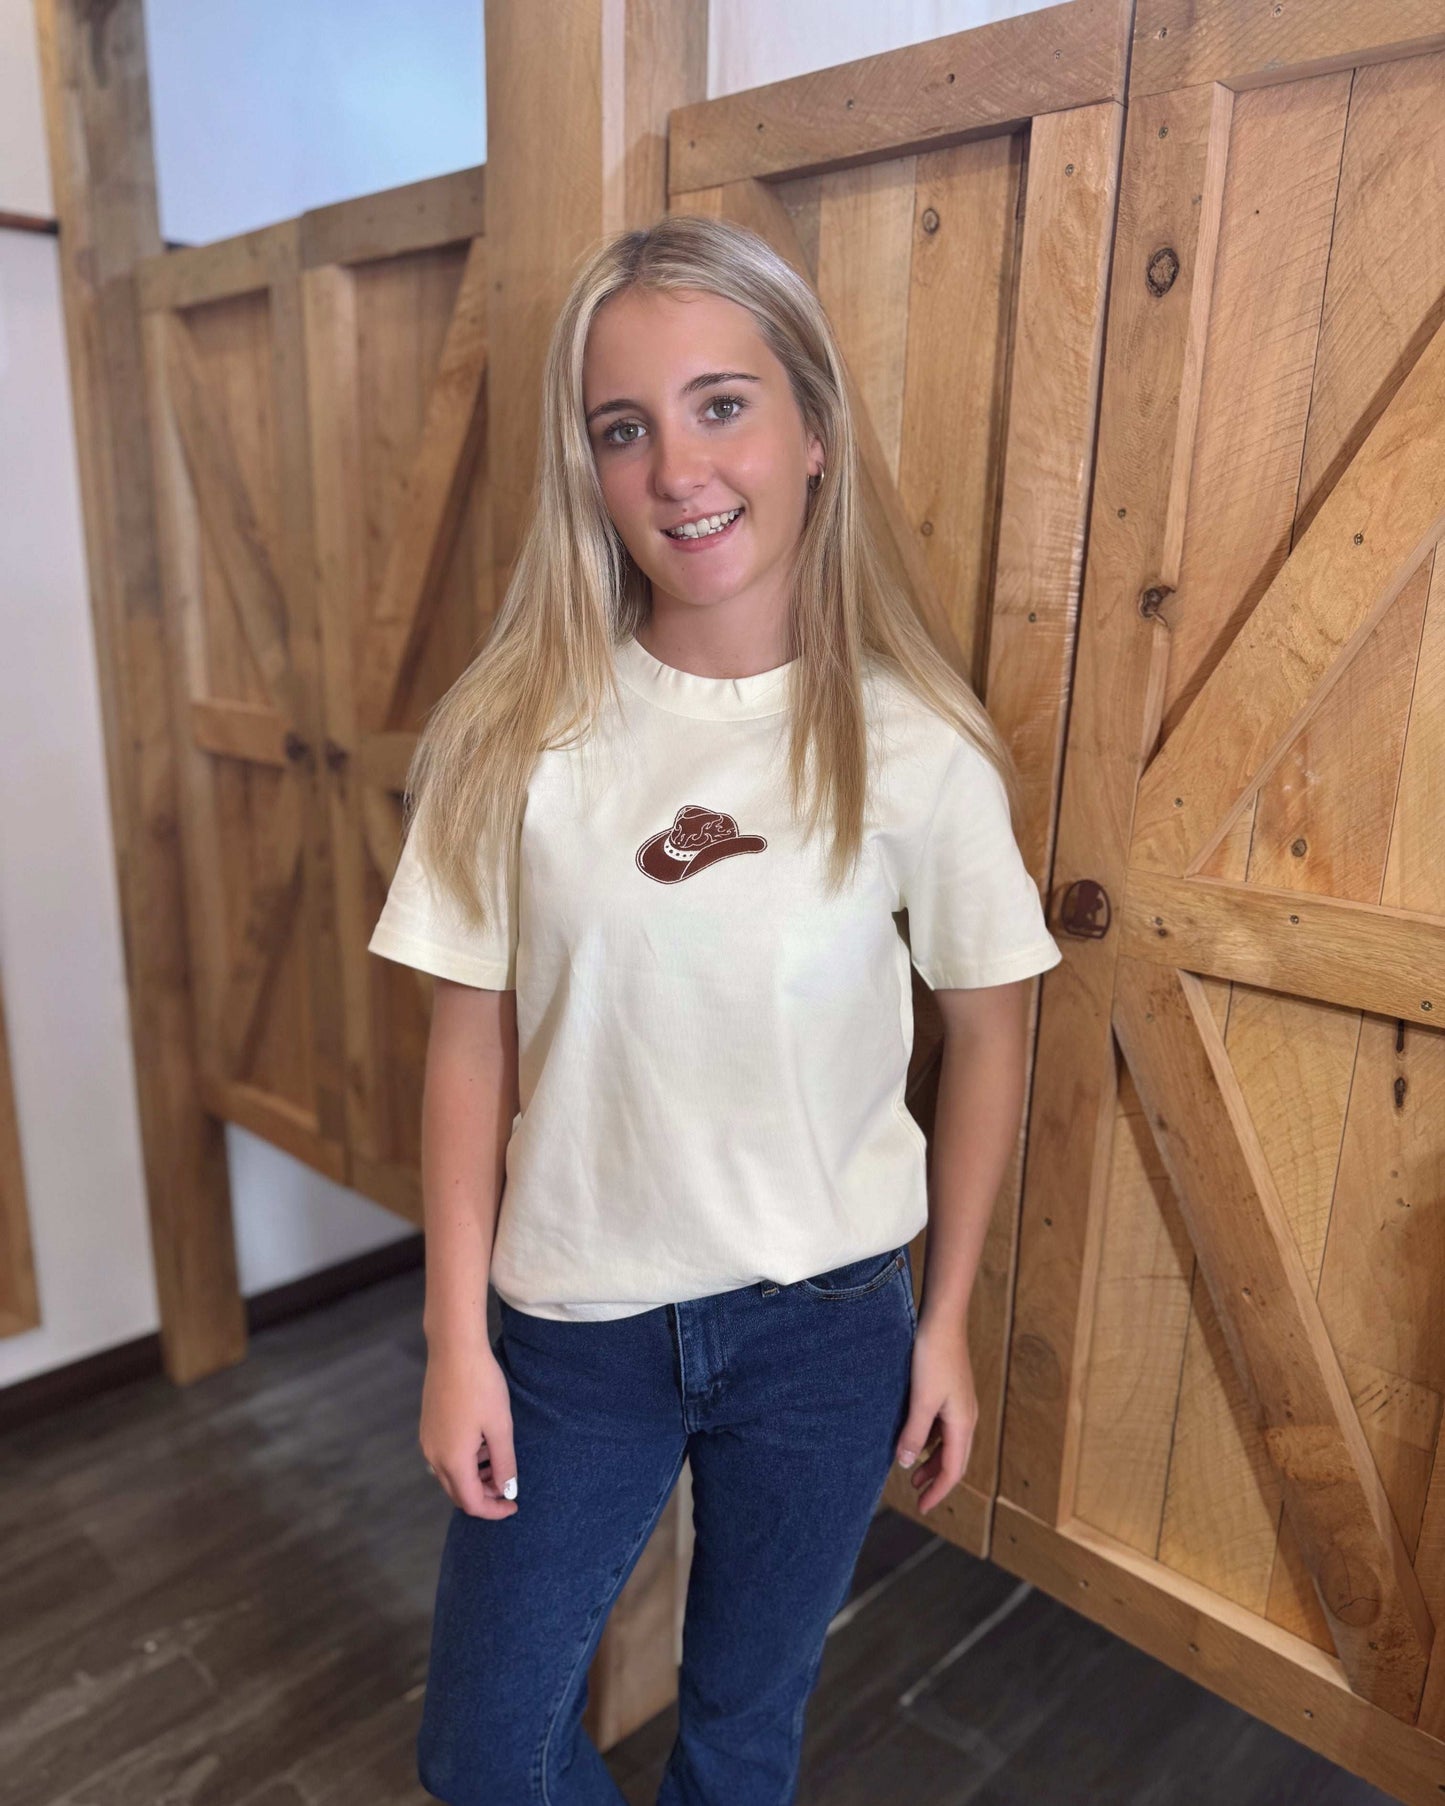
<point x="942" y="1407"/>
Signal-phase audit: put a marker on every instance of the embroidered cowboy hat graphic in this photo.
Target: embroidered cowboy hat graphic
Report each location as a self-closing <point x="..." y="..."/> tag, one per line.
<point x="697" y="839"/>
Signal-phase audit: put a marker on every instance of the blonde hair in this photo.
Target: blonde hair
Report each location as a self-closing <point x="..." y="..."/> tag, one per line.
<point x="546" y="667"/>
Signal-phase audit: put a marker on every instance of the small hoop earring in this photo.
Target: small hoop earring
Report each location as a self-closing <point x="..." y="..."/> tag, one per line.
<point x="815" y="481"/>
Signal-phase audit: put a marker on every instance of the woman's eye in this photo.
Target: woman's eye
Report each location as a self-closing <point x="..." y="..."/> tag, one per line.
<point x="735" y="402"/>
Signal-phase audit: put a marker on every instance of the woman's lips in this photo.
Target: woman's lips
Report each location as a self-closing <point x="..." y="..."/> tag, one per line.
<point x="708" y="539"/>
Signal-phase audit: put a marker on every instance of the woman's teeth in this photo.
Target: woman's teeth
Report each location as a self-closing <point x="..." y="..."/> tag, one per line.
<point x="700" y="529"/>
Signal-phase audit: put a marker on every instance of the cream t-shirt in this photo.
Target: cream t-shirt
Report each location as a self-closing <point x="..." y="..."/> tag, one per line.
<point x="712" y="1048"/>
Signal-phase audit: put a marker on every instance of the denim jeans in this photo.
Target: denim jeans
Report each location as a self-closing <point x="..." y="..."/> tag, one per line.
<point x="789" y="1401"/>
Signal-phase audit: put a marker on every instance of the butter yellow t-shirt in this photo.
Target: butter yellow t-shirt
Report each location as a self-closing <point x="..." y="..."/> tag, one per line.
<point x="712" y="1047"/>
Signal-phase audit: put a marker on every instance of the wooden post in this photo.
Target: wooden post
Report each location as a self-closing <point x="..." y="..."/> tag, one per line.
<point x="97" y="107"/>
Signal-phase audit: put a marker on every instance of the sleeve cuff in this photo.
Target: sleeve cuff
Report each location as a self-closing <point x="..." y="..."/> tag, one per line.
<point x="442" y="962"/>
<point x="1024" y="962"/>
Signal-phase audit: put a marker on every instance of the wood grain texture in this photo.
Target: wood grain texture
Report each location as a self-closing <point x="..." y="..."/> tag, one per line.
<point x="97" y="112"/>
<point x="1179" y="43"/>
<point x="992" y="78"/>
<point x="1270" y="1319"/>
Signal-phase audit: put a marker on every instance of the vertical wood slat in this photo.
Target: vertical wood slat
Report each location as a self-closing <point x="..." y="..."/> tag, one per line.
<point x="1170" y="187"/>
<point x="97" y="111"/>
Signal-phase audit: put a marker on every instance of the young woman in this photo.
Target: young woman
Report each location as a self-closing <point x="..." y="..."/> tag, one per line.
<point x="662" y="825"/>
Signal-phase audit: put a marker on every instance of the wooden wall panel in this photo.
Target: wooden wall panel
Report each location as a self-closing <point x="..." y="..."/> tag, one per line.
<point x="1225" y="1381"/>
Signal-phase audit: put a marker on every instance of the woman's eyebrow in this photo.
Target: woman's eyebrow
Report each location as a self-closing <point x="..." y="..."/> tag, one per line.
<point x="705" y="381"/>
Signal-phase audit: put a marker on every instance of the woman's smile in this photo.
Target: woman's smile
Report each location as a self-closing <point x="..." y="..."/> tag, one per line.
<point x="698" y="541"/>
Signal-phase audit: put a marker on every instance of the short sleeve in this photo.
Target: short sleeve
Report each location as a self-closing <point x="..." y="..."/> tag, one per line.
<point x="974" y="913"/>
<point x="421" y="926"/>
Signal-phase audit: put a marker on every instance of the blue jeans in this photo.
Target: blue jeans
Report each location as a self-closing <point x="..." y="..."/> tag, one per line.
<point x="789" y="1401"/>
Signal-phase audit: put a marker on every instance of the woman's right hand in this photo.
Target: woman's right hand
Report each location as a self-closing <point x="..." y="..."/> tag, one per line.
<point x="466" y="1427"/>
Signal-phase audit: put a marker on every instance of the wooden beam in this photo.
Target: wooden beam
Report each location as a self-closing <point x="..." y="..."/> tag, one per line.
<point x="240" y="730"/>
<point x="1363" y="956"/>
<point x="419" y="216"/>
<point x="1181" y="43"/>
<point x="1381" y="517"/>
<point x="1333" y="1494"/>
<point x="969" y="84"/>
<point x="97" y="109"/>
<point x="219" y="272"/>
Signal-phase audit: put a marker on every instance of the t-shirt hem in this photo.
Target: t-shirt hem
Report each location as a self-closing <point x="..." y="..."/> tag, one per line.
<point x="1025" y="963"/>
<point x="442" y="962"/>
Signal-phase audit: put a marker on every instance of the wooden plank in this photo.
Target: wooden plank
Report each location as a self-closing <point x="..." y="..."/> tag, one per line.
<point x="1382" y="516"/>
<point x="248" y="731"/>
<point x="1365" y="956"/>
<point x="436" y="489"/>
<point x="754" y="205"/>
<point x="97" y="108"/>
<point x="273" y="1118"/>
<point x="991" y="78"/>
<point x="1270" y="1673"/>
<point x="269" y="914"/>
<point x="418" y="216"/>
<point x="19" y="1294"/>
<point x="1047" y="455"/>
<point x="217" y="272"/>
<point x="1271" y="1321"/>
<point x="1168" y="187"/>
<point x="1178" y="43"/>
<point x="232" y="520"/>
<point x="318" y="775"/>
<point x="959" y="314"/>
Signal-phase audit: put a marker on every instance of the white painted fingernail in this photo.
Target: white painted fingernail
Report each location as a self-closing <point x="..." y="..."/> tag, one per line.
<point x="509" y="1491"/>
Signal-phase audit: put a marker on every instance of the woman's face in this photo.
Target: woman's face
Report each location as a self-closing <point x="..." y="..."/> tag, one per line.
<point x="690" y="416"/>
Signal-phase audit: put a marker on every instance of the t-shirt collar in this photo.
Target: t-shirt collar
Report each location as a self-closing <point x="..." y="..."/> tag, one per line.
<point x="709" y="698"/>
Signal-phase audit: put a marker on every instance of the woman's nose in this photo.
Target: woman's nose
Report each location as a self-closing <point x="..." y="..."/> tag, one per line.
<point x="679" y="468"/>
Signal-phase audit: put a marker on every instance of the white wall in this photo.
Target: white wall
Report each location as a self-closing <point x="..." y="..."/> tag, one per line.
<point x="261" y="109"/>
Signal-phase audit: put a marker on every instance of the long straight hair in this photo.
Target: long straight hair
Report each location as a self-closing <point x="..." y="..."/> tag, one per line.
<point x="546" y="667"/>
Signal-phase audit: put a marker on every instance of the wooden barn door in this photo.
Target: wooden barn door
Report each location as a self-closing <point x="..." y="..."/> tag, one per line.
<point x="953" y="204"/>
<point x="395" y="308"/>
<point x="316" y="390"/>
<point x="226" y="386"/>
<point x="1227" y="1363"/>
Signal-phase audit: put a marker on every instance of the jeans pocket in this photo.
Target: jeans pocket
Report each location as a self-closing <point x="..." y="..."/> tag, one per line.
<point x="855" y="1278"/>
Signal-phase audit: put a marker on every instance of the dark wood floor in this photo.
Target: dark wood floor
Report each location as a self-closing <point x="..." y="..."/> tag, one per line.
<point x="221" y="1596"/>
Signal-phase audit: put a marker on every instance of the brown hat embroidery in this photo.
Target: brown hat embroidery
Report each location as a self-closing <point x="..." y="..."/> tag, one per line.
<point x="697" y="839"/>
